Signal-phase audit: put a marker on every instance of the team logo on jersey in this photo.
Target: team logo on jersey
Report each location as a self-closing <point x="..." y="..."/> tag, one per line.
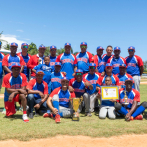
<point x="132" y="64"/>
<point x="67" y="60"/>
<point x="82" y="59"/>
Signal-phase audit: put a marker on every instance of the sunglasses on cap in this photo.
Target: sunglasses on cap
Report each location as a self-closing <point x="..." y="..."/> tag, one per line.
<point x="109" y="67"/>
<point x="131" y="50"/>
<point x="78" y="73"/>
<point x="83" y="46"/>
<point x="92" y="67"/>
<point x="25" y="46"/>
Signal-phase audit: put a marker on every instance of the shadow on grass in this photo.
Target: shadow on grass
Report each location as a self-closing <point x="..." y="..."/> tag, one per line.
<point x="14" y="117"/>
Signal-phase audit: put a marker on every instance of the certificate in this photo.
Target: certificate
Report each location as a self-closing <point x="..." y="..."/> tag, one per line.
<point x="109" y="92"/>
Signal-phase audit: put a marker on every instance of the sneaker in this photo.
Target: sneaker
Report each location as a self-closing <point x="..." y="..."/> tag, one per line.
<point x="88" y="114"/>
<point x="25" y="118"/>
<point x="4" y="111"/>
<point x="57" y="118"/>
<point x="131" y="118"/>
<point x="48" y="115"/>
<point x="31" y="115"/>
<point x="139" y="117"/>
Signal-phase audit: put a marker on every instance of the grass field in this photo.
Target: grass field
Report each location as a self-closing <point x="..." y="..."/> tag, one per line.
<point x="40" y="127"/>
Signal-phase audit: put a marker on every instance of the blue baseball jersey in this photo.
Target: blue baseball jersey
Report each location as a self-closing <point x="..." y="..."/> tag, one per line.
<point x="92" y="79"/>
<point x="56" y="79"/>
<point x="83" y="60"/>
<point x="68" y="62"/>
<point x="133" y="95"/>
<point x="52" y="62"/>
<point x="63" y="96"/>
<point x="116" y="62"/>
<point x="133" y="65"/>
<point x="105" y="58"/>
<point x="1" y="67"/>
<point x="14" y="83"/>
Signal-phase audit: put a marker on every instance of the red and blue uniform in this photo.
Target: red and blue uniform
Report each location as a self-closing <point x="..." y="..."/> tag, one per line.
<point x="116" y="62"/>
<point x="92" y="79"/>
<point x="68" y="62"/>
<point x="133" y="65"/>
<point x="79" y="87"/>
<point x="1" y="67"/>
<point x="26" y="59"/>
<point x="106" y="58"/>
<point x="56" y="79"/>
<point x="63" y="96"/>
<point x="52" y="62"/>
<point x="83" y="60"/>
<point x="33" y="85"/>
<point x="100" y="64"/>
<point x="8" y="60"/>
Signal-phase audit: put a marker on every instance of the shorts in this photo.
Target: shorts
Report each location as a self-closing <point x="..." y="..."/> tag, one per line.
<point x="10" y="106"/>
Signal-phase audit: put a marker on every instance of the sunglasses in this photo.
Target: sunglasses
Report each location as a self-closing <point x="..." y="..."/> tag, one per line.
<point x="53" y="49"/>
<point x="92" y="67"/>
<point x="131" y="50"/>
<point x="78" y="74"/>
<point x="83" y="46"/>
<point x="109" y="67"/>
<point x="25" y="46"/>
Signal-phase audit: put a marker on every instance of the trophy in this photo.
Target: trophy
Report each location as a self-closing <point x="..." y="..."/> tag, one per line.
<point x="126" y="99"/>
<point x="75" y="102"/>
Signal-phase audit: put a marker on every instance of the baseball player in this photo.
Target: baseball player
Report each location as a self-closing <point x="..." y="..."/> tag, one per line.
<point x="79" y="85"/>
<point x="83" y="58"/>
<point x="15" y="91"/>
<point x="59" y="102"/>
<point x="37" y="94"/>
<point x="26" y="57"/>
<point x="36" y="59"/>
<point x="116" y="60"/>
<point x="134" y="66"/>
<point x="11" y="58"/>
<point x="68" y="61"/>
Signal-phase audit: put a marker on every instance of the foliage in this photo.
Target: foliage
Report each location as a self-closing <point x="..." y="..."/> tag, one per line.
<point x="145" y="66"/>
<point x="7" y="47"/>
<point x="32" y="50"/>
<point x="1" y="40"/>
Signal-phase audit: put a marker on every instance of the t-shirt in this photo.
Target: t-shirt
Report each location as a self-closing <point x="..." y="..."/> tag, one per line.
<point x="133" y="95"/>
<point x="83" y="60"/>
<point x="8" y="60"/>
<point x="133" y="65"/>
<point x="68" y="62"/>
<point x="63" y="96"/>
<point x="1" y="67"/>
<point x="33" y="85"/>
<point x="14" y="83"/>
<point x="26" y="59"/>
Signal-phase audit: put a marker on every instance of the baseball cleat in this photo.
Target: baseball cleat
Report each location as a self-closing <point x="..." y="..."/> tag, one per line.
<point x="48" y="115"/>
<point x="139" y="117"/>
<point x="25" y="118"/>
<point x="57" y="118"/>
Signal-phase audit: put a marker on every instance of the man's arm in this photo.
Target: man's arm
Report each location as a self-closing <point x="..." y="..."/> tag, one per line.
<point x="49" y="103"/>
<point x="17" y="91"/>
<point x="75" y="68"/>
<point x="141" y="70"/>
<point x="22" y="68"/>
<point x="133" y="108"/>
<point x="87" y="84"/>
<point x="7" y="69"/>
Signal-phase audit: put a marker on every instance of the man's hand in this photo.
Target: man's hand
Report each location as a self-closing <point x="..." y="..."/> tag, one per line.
<point x="11" y="97"/>
<point x="97" y="89"/>
<point x="64" y="73"/>
<point x="73" y="74"/>
<point x="103" y="74"/>
<point x="128" y="116"/>
<point x="37" y="106"/>
<point x="112" y="100"/>
<point x="71" y="89"/>
<point x="41" y="94"/>
<point x="22" y="91"/>
<point x="87" y="84"/>
<point x="55" y="111"/>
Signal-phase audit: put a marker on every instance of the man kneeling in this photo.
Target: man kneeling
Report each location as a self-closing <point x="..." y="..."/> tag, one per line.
<point x="59" y="101"/>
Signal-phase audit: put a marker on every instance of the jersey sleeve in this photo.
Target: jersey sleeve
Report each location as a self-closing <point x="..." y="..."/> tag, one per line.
<point x="109" y="60"/>
<point x="140" y="62"/>
<point x="58" y="58"/>
<point x="95" y="60"/>
<point x="45" y="88"/>
<point x="90" y="57"/>
<point x="72" y="94"/>
<point x="38" y="67"/>
<point x="6" y="83"/>
<point x="70" y="82"/>
<point x="21" y="61"/>
<point x="24" y="80"/>
<point x="99" y="82"/>
<point x="30" y="64"/>
<point x="5" y="61"/>
<point x="137" y="95"/>
<point x="75" y="60"/>
<point x="30" y="84"/>
<point x="117" y="81"/>
<point x="55" y="91"/>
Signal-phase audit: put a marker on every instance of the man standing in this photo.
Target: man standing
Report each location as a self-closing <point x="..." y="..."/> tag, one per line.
<point x="15" y="91"/>
<point x="68" y="61"/>
<point x="36" y="59"/>
<point x="11" y="58"/>
<point x="116" y="60"/>
<point x="83" y="58"/>
<point x="134" y="66"/>
<point x="26" y="57"/>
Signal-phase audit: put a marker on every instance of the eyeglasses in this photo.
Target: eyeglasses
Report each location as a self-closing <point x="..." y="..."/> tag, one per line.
<point x="25" y="46"/>
<point x="92" y="67"/>
<point x="131" y="50"/>
<point x="79" y="74"/>
<point x="83" y="46"/>
<point x="109" y="67"/>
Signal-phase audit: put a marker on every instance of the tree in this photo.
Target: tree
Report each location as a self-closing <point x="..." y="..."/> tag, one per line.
<point x="145" y="66"/>
<point x="75" y="53"/>
<point x="62" y="50"/>
<point x="32" y="50"/>
<point x="1" y="40"/>
<point x="47" y="51"/>
<point x="7" y="47"/>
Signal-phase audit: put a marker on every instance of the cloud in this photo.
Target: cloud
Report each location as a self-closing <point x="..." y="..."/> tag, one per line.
<point x="19" y="30"/>
<point x="26" y="38"/>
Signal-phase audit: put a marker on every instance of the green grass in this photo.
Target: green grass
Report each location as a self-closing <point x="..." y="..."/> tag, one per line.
<point x="40" y="127"/>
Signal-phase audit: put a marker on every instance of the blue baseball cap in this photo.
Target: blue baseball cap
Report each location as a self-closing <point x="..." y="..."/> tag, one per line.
<point x="100" y="48"/>
<point x="92" y="64"/>
<point x="0" y="43"/>
<point x="53" y="47"/>
<point x="79" y="70"/>
<point x="131" y="48"/>
<point x="122" y="65"/>
<point x="129" y="79"/>
<point x="83" y="43"/>
<point x="57" y="64"/>
<point x="65" y="78"/>
<point x="108" y="65"/>
<point x="14" y="44"/>
<point x="67" y="44"/>
<point x="15" y="65"/>
<point x="117" y="48"/>
<point x="39" y="72"/>
<point x="42" y="46"/>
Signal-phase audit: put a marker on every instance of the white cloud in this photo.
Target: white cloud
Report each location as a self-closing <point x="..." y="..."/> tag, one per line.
<point x="19" y="30"/>
<point x="26" y="38"/>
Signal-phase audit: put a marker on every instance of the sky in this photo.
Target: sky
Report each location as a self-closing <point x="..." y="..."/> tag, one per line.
<point x="97" y="22"/>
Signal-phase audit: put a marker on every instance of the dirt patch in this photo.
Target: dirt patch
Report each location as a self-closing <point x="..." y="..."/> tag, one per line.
<point x="81" y="141"/>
